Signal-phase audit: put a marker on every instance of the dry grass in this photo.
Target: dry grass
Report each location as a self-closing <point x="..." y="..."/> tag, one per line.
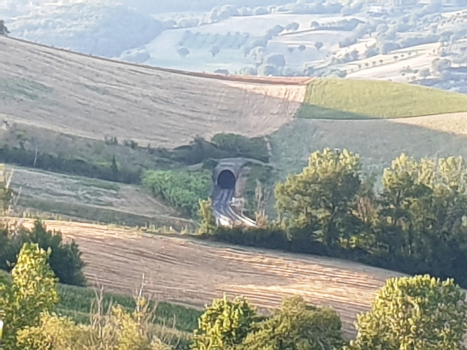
<point x="92" y="98"/>
<point x="377" y="141"/>
<point x="91" y="199"/>
<point x="193" y="273"/>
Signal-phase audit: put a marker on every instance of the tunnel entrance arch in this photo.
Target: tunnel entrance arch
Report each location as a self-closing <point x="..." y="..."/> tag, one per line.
<point x="226" y="180"/>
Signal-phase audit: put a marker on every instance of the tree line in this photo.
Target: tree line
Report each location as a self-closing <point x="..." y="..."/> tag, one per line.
<point x="408" y="313"/>
<point x="414" y="223"/>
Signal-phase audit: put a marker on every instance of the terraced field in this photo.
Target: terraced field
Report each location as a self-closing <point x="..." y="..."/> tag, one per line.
<point x="193" y="273"/>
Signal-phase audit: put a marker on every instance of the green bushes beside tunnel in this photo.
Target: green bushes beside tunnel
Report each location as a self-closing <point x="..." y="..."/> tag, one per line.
<point x="180" y="189"/>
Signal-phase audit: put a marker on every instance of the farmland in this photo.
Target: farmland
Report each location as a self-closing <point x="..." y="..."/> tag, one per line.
<point x="363" y="99"/>
<point x="189" y="272"/>
<point x="93" y="99"/>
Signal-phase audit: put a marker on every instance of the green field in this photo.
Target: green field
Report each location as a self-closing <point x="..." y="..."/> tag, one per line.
<point x="363" y="99"/>
<point x="77" y="302"/>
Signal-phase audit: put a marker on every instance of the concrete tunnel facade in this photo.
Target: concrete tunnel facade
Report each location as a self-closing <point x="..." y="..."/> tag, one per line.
<point x="230" y="174"/>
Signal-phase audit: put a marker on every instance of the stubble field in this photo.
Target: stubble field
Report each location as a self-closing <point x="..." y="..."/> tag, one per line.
<point x="189" y="272"/>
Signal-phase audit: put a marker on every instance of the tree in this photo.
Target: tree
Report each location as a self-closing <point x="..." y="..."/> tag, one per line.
<point x="65" y="258"/>
<point x="183" y="52"/>
<point x="323" y="195"/>
<point x="208" y="220"/>
<point x="420" y="216"/>
<point x="318" y="45"/>
<point x="296" y="326"/>
<point x="292" y="26"/>
<point x="214" y="50"/>
<point x="32" y="292"/>
<point x="419" y="313"/>
<point x="276" y="60"/>
<point x="224" y="324"/>
<point x="440" y="64"/>
<point x="425" y="73"/>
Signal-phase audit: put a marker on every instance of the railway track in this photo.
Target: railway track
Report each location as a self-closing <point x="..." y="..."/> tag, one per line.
<point x="224" y="213"/>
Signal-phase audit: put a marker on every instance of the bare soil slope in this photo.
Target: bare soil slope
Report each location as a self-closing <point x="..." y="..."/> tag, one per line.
<point x="93" y="98"/>
<point x="193" y="273"/>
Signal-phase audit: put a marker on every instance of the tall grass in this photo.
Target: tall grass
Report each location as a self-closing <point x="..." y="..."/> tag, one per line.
<point x="174" y="323"/>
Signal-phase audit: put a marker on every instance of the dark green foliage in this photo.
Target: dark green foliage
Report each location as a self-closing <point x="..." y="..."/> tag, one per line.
<point x="271" y="238"/>
<point x="80" y="300"/>
<point x="260" y="173"/>
<point x="224" y="324"/>
<point x="296" y="326"/>
<point x="221" y="146"/>
<point x="49" y="162"/>
<point x="241" y="146"/>
<point x="182" y="190"/>
<point x="65" y="259"/>
<point x="323" y="196"/>
<point x="414" y="313"/>
<point x="208" y="220"/>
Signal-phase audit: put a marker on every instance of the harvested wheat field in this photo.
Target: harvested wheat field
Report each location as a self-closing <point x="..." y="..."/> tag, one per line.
<point x="193" y="273"/>
<point x="89" y="97"/>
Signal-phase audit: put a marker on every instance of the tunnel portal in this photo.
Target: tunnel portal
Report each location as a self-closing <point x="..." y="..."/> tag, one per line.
<point x="226" y="180"/>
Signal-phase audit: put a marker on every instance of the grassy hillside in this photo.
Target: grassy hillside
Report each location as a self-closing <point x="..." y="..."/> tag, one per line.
<point x="363" y="99"/>
<point x="77" y="303"/>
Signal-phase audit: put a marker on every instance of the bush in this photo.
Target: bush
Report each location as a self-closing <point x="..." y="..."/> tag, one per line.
<point x="65" y="258"/>
<point x="269" y="238"/>
<point x="181" y="189"/>
<point x="31" y="293"/>
<point x="49" y="162"/>
<point x="416" y="313"/>
<point x="240" y="146"/>
<point x="347" y="42"/>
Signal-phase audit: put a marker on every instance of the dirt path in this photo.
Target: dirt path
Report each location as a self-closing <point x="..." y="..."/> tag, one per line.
<point x="193" y="273"/>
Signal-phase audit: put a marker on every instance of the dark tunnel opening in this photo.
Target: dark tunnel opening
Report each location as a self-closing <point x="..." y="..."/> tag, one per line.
<point x="226" y="180"/>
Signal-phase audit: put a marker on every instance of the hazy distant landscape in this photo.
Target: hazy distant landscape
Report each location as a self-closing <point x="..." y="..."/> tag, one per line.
<point x="422" y="43"/>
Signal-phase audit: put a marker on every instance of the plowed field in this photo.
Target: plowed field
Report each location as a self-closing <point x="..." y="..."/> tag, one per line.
<point x="191" y="272"/>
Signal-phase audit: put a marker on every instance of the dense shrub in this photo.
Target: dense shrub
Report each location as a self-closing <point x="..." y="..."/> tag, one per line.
<point x="107" y="171"/>
<point x="269" y="238"/>
<point x="241" y="146"/>
<point x="65" y="258"/>
<point x="181" y="189"/>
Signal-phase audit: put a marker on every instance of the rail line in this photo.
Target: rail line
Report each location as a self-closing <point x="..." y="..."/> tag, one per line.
<point x="224" y="213"/>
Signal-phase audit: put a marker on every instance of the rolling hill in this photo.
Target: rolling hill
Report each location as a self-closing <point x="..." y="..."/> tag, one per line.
<point x="53" y="92"/>
<point x="367" y="99"/>
<point x="91" y="98"/>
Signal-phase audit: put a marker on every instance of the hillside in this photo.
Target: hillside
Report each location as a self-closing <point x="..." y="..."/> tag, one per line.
<point x="377" y="141"/>
<point x="363" y="99"/>
<point x="92" y="199"/>
<point x="81" y="96"/>
<point x="193" y="273"/>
